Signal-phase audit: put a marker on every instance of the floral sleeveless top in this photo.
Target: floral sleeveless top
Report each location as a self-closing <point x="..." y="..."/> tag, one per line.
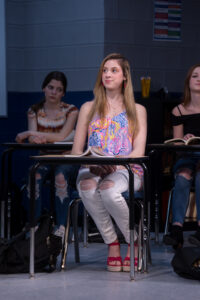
<point x="112" y="136"/>
<point x="52" y="125"/>
<point x="44" y="124"/>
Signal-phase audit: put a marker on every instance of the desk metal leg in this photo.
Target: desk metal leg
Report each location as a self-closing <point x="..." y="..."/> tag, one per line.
<point x="5" y="189"/>
<point x="146" y="216"/>
<point x="66" y="238"/>
<point x="85" y="228"/>
<point x="154" y="162"/>
<point x="3" y="192"/>
<point x="131" y="221"/>
<point x="9" y="195"/>
<point x="2" y="218"/>
<point x="32" y="219"/>
<point x="32" y="252"/>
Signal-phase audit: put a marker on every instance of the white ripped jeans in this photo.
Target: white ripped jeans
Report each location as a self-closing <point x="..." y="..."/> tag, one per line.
<point x="103" y="203"/>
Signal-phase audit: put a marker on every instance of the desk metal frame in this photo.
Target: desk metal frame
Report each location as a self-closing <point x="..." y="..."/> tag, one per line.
<point x="6" y="176"/>
<point x="126" y="162"/>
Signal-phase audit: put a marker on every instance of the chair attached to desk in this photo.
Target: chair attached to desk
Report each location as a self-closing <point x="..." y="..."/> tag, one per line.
<point x="144" y="253"/>
<point x="190" y="215"/>
<point x="144" y="204"/>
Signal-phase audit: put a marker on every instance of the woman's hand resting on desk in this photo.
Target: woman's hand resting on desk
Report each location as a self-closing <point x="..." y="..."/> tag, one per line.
<point x="37" y="139"/>
<point x="22" y="136"/>
<point x="102" y="170"/>
<point x="33" y="137"/>
<point x="187" y="136"/>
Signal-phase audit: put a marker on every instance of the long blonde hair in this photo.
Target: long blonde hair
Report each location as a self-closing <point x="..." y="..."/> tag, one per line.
<point x="100" y="102"/>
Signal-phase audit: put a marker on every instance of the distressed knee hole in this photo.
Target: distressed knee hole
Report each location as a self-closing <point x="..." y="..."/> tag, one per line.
<point x="38" y="176"/>
<point x="87" y="184"/>
<point x="37" y="191"/>
<point x="61" y="187"/>
<point x="186" y="174"/>
<point x="107" y="184"/>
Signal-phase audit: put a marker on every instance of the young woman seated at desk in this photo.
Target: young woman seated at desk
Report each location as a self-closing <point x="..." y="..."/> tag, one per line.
<point x="52" y="120"/>
<point x="186" y="120"/>
<point x="117" y="125"/>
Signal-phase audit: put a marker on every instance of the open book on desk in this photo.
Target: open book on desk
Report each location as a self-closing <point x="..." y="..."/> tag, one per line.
<point x="90" y="151"/>
<point x="194" y="140"/>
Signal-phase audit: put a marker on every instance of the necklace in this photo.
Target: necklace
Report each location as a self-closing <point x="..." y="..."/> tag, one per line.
<point x="114" y="110"/>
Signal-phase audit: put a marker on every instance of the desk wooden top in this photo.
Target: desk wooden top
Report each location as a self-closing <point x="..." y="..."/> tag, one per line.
<point x="90" y="160"/>
<point x="47" y="146"/>
<point x="174" y="147"/>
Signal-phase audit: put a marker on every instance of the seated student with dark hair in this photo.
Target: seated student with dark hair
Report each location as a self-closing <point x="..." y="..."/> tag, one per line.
<point x="52" y="120"/>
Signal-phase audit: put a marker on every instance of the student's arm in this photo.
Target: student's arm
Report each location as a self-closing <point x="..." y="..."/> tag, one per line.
<point x="81" y="129"/>
<point x="80" y="139"/>
<point x="38" y="137"/>
<point x="139" y="143"/>
<point x="31" y="134"/>
<point x="58" y="136"/>
<point x="178" y="130"/>
<point x="32" y="128"/>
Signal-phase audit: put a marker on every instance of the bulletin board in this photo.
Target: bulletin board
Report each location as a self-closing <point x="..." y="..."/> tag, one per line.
<point x="167" y="20"/>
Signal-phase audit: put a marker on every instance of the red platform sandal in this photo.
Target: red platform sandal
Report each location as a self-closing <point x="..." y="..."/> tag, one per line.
<point x="111" y="261"/>
<point x="126" y="266"/>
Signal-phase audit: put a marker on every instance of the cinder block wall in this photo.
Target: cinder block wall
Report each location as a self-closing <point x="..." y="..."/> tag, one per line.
<point x="74" y="36"/>
<point x="54" y="35"/>
<point x="129" y="29"/>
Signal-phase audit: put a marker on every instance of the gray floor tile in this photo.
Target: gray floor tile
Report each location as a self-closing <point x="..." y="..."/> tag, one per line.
<point x="90" y="280"/>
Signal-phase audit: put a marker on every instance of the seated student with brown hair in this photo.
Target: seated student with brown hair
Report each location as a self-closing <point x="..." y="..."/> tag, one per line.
<point x="52" y="120"/>
<point x="186" y="120"/>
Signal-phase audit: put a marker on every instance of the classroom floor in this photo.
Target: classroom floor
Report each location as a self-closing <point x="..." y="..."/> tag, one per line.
<point x="90" y="280"/>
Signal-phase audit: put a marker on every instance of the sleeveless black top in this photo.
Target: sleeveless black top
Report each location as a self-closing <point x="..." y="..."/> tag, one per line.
<point x="191" y="123"/>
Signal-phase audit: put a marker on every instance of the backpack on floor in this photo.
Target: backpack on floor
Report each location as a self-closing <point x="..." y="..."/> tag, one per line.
<point x="15" y="253"/>
<point x="186" y="262"/>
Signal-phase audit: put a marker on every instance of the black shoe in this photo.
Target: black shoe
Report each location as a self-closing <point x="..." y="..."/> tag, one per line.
<point x="195" y="238"/>
<point x="175" y="238"/>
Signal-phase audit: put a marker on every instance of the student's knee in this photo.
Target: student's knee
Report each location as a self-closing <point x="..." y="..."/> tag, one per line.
<point x="105" y="185"/>
<point x="87" y="190"/>
<point x="38" y="176"/>
<point x="87" y="184"/>
<point x="185" y="173"/>
<point x="107" y="190"/>
<point x="61" y="186"/>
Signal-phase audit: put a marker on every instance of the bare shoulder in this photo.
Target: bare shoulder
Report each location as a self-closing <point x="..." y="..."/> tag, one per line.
<point x="86" y="107"/>
<point x="140" y="109"/>
<point x="178" y="110"/>
<point x="74" y="112"/>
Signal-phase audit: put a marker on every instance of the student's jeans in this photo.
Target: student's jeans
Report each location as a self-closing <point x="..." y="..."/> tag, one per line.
<point x="102" y="204"/>
<point x="182" y="188"/>
<point x="62" y="190"/>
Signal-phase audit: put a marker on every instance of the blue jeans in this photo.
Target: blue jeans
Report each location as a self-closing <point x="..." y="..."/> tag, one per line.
<point x="65" y="181"/>
<point x="182" y="188"/>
